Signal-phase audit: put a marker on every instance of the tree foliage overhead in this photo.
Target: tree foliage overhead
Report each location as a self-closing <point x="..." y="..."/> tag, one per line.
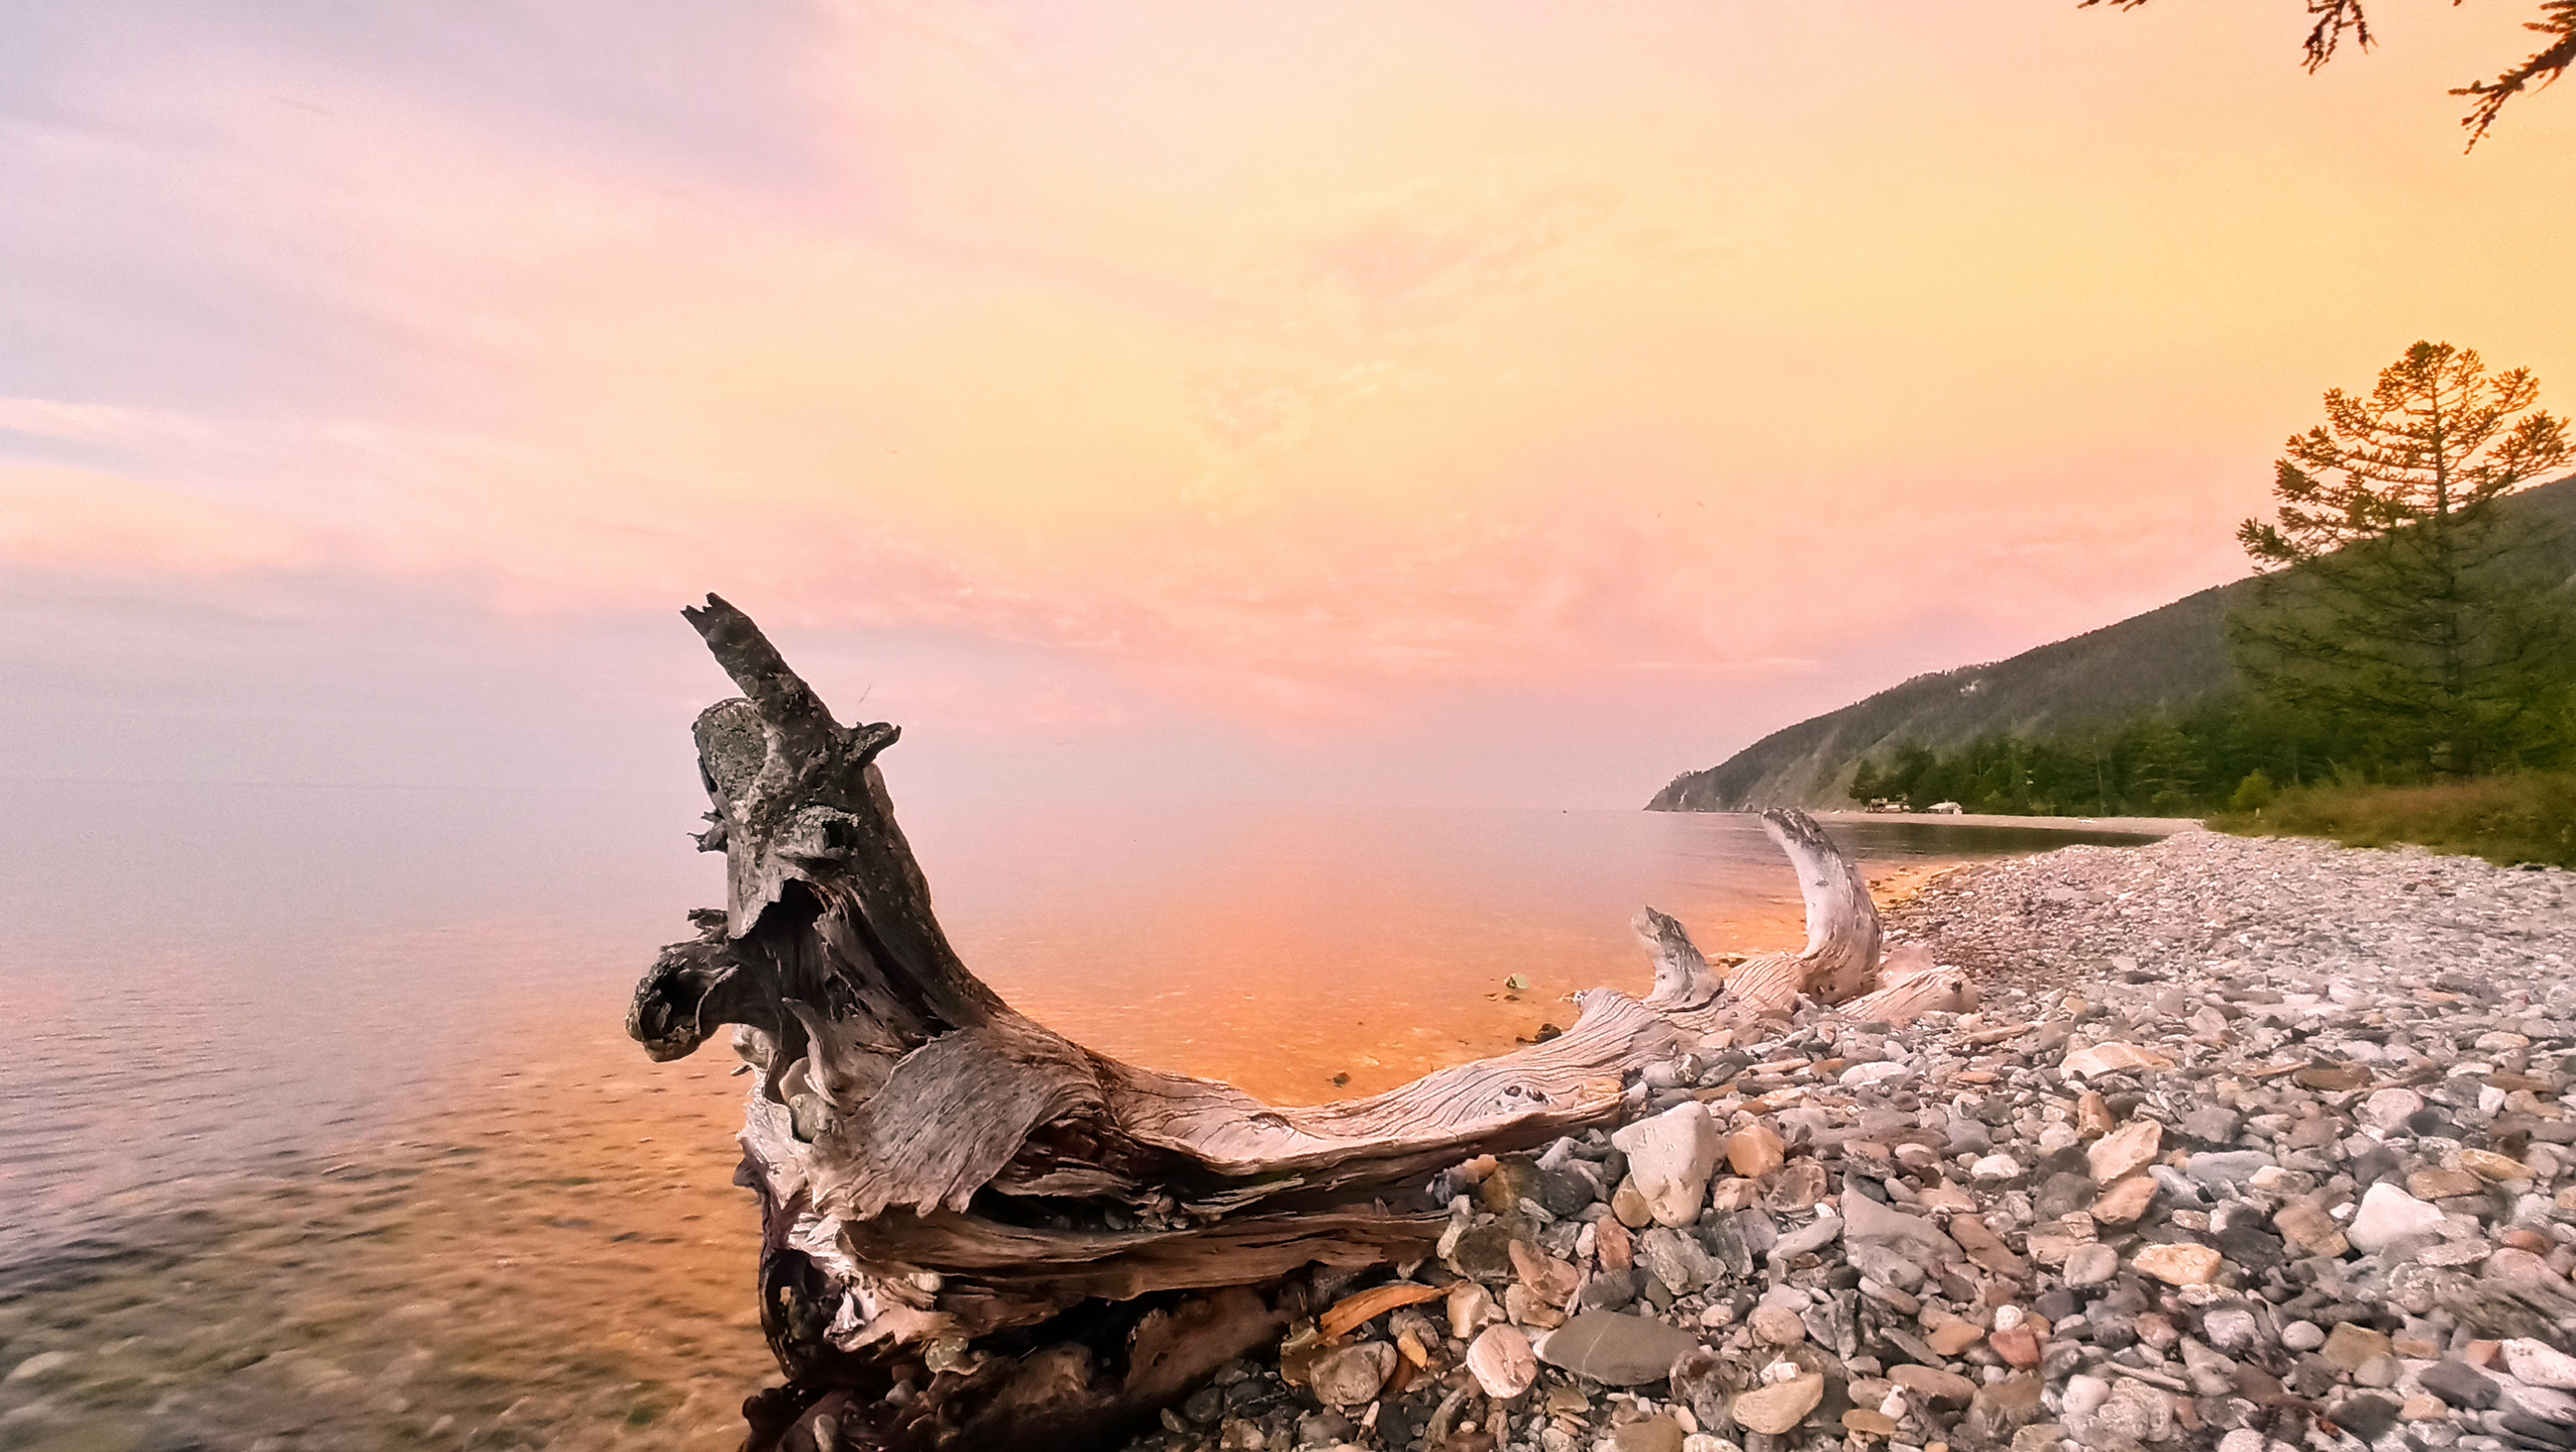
<point x="2337" y="20"/>
<point x="2399" y="597"/>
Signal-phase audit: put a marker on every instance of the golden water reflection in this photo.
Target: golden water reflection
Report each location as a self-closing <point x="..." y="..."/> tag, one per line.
<point x="538" y="1243"/>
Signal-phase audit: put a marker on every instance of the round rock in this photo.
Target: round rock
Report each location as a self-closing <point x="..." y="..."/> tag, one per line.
<point x="2231" y="1329"/>
<point x="1352" y="1376"/>
<point x="1778" y="1325"/>
<point x="2092" y="1265"/>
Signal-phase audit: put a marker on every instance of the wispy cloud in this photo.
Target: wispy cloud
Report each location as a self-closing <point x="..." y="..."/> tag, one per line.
<point x="1300" y="369"/>
<point x="59" y="518"/>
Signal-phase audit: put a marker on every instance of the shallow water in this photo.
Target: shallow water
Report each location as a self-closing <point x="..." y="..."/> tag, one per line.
<point x="374" y="1166"/>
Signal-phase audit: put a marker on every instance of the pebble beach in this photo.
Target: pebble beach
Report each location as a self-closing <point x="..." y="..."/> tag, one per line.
<point x="2249" y="1144"/>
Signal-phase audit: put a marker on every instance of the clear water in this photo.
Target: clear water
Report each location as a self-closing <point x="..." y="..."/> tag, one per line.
<point x="317" y="1127"/>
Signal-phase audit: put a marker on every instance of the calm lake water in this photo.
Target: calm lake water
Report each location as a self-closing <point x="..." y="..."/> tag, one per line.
<point x="318" y="1127"/>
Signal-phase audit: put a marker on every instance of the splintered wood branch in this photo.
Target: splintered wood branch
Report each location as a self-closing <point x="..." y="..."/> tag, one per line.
<point x="979" y="1234"/>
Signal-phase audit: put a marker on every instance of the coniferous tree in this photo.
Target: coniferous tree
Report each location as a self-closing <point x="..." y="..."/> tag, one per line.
<point x="2335" y="21"/>
<point x="2164" y="777"/>
<point x="2399" y="614"/>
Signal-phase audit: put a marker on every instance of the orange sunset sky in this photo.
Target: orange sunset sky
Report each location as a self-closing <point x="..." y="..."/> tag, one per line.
<point x="1504" y="402"/>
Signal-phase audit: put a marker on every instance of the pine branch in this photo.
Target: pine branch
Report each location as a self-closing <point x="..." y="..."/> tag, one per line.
<point x="2337" y="20"/>
<point x="2541" y="68"/>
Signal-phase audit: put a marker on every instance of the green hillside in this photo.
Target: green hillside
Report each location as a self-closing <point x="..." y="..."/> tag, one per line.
<point x="2167" y="659"/>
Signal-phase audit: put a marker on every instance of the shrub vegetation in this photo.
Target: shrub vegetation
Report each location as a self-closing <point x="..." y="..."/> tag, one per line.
<point x="2508" y="820"/>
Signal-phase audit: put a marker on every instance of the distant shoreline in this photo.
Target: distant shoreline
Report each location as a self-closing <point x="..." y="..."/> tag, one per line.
<point x="2142" y="826"/>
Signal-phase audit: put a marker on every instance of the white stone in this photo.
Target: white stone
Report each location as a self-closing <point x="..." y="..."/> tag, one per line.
<point x="2387" y="1213"/>
<point x="39" y="1364"/>
<point x="2547" y="1403"/>
<point x="2456" y="1253"/>
<point x="1671" y="1157"/>
<point x="2134" y="1411"/>
<point x="2232" y="1329"/>
<point x="2085" y="1394"/>
<point x="1861" y="1076"/>
<point x="2386" y="1110"/>
<point x="1502" y="1362"/>
<point x="2540" y="1364"/>
<point x="2092" y="1265"/>
<point x="2243" y="1439"/>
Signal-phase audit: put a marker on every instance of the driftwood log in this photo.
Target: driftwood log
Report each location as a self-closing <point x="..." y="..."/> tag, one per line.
<point x="977" y="1233"/>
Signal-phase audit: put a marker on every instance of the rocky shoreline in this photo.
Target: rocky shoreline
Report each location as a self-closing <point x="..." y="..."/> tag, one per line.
<point x="2249" y="1144"/>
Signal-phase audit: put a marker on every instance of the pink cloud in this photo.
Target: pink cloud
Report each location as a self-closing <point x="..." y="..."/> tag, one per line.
<point x="1250" y="373"/>
<point x="77" y="519"/>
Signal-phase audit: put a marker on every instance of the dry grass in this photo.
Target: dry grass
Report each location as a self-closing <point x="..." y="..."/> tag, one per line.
<point x="2504" y="819"/>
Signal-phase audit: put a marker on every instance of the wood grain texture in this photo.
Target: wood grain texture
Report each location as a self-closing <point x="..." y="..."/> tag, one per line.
<point x="977" y="1233"/>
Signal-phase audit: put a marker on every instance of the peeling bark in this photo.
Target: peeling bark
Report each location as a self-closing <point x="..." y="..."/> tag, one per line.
<point x="977" y="1233"/>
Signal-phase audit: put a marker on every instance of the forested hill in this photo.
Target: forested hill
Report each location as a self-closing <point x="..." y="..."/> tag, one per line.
<point x="2165" y="659"/>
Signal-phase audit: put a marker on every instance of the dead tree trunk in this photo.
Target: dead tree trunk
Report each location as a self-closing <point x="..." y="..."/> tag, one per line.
<point x="978" y="1234"/>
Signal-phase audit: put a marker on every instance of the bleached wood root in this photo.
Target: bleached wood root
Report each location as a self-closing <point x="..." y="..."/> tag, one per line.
<point x="980" y="1234"/>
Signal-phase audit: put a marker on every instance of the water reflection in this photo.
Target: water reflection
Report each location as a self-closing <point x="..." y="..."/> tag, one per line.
<point x="411" y="1187"/>
<point x="1280" y="948"/>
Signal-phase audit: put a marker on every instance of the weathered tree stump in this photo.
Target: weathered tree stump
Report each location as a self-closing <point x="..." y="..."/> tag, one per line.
<point x="978" y="1234"/>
